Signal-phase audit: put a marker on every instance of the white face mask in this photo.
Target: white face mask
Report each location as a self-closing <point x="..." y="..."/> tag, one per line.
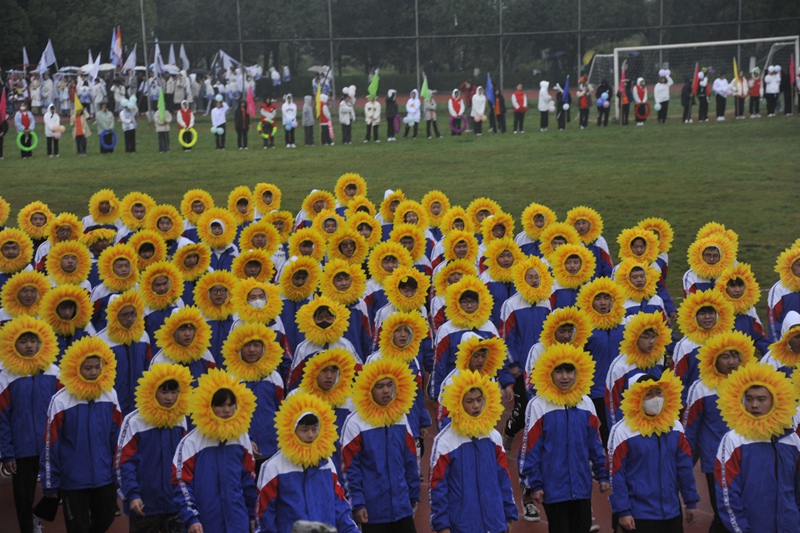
<point x="653" y="406"/>
<point x="257" y="304"/>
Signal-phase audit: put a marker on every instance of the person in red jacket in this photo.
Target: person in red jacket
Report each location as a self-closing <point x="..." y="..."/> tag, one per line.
<point x="520" y="103"/>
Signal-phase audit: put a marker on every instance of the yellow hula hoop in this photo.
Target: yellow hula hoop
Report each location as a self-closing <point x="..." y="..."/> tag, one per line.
<point x="190" y="143"/>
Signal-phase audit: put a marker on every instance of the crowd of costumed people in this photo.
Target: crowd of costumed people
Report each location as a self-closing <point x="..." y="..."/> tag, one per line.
<point x="173" y="98"/>
<point x="241" y="367"/>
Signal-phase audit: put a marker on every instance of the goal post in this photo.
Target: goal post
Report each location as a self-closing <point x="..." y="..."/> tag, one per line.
<point x="646" y="61"/>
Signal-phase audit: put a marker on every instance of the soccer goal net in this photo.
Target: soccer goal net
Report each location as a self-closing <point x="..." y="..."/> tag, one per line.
<point x="680" y="59"/>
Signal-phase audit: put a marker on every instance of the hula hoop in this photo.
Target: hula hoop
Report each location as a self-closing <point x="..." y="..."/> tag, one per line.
<point x="34" y="141"/>
<point x="190" y="143"/>
<point x="269" y="134"/>
<point x="397" y="123"/>
<point x="113" y="139"/>
<point x="640" y="116"/>
<point x="453" y="122"/>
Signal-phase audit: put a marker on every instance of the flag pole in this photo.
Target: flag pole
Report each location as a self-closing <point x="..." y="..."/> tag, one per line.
<point x="144" y="46"/>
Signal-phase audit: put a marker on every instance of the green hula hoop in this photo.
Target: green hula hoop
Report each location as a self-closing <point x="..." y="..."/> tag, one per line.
<point x="270" y="133"/>
<point x="34" y="142"/>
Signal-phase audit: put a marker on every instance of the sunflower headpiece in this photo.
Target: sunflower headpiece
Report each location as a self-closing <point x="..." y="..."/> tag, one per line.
<point x="390" y="197"/>
<point x="752" y="292"/>
<point x="90" y="238"/>
<point x="104" y="195"/>
<point x="500" y="219"/>
<point x="358" y="281"/>
<point x="202" y="251"/>
<point x="405" y="275"/>
<point x="625" y="241"/>
<point x="563" y="316"/>
<point x="258" y="197"/>
<point x="663" y="231"/>
<point x="357" y="220"/>
<point x="357" y="204"/>
<point x="623" y="277"/>
<point x="559" y="258"/>
<point x="9" y="295"/>
<point x="153" y="412"/>
<point x="781" y="350"/>
<point x="23" y="365"/>
<point x="290" y="269"/>
<point x="494" y="250"/>
<point x="687" y="315"/>
<point x="261" y="230"/>
<point x="430" y="198"/>
<point x="291" y="411"/>
<point x="590" y="215"/>
<point x="457" y="315"/>
<point x="708" y="354"/>
<point x="314" y="333"/>
<point x="24" y="219"/>
<point x="531" y="294"/>
<point x="271" y="357"/>
<point x="308" y="235"/>
<point x="381" y="252"/>
<point x="706" y="270"/>
<point x="25" y="254"/>
<point x="590" y="291"/>
<point x="634" y="328"/>
<point x="144" y="237"/>
<point x="413" y="232"/>
<point x="116" y="331"/>
<point x="202" y="294"/>
<point x="453" y="215"/>
<point x="323" y="216"/>
<point x="530" y="213"/>
<point x="412" y="322"/>
<point x="256" y="256"/>
<point x="459" y="266"/>
<point x="349" y="178"/>
<point x="783" y="267"/>
<point x="225" y="219"/>
<point x="165" y="211"/>
<point x="404" y="392"/>
<point x="282" y="218"/>
<point x="105" y="267"/>
<point x="191" y="196"/>
<point x="234" y="197"/>
<point x="633" y="401"/>
<point x="464" y="423"/>
<point x="478" y="205"/>
<point x="456" y="236"/>
<point x="203" y="417"/>
<point x="70" y="368"/>
<point x="165" y="336"/>
<point x="471" y="343"/>
<point x="314" y="197"/>
<point x="156" y="270"/>
<point x="345" y="365"/>
<point x="411" y="206"/>
<point x="715" y="228"/>
<point x="555" y="356"/>
<point x="66" y="293"/>
<point x="557" y="230"/>
<point x="126" y="206"/>
<point x="731" y="402"/>
<point x="343" y="234"/>
<point x="64" y="220"/>
<point x="64" y="249"/>
<point x="247" y="312"/>
<point x="5" y="210"/>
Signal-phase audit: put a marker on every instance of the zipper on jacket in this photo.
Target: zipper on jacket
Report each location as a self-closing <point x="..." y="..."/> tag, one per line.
<point x="386" y="455"/>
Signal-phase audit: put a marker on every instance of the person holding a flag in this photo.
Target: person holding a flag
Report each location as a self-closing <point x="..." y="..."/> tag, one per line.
<point x="162" y="119"/>
<point x="430" y="116"/>
<point x="80" y="128"/>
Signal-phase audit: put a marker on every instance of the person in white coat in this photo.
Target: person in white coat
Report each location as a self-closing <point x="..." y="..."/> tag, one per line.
<point x="772" y="88"/>
<point x="218" y="120"/>
<point x="412" y="113"/>
<point x="545" y="105"/>
<point x="99" y="94"/>
<point x="347" y="115"/>
<point x="52" y="123"/>
<point x="478" y="112"/>
<point x="289" y="115"/>
<point x="661" y="94"/>
<point x="128" y="119"/>
<point x="35" y="89"/>
<point x="372" y="116"/>
<point x="48" y="91"/>
<point x="722" y="89"/>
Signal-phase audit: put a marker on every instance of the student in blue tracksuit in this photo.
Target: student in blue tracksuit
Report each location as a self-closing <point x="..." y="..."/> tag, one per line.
<point x="213" y="297"/>
<point x="562" y="447"/>
<point x="650" y="460"/>
<point x="28" y="379"/>
<point x="147" y="442"/>
<point x="83" y="423"/>
<point x="379" y="453"/>
<point x="300" y="482"/>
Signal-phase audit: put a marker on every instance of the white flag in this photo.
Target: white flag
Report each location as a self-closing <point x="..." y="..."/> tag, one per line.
<point x="24" y="56"/>
<point x="158" y="61"/>
<point x="184" y="58"/>
<point x="130" y="63"/>
<point x="48" y="58"/>
<point x="227" y="60"/>
<point x="95" y="70"/>
<point x="91" y="59"/>
<point x="171" y="55"/>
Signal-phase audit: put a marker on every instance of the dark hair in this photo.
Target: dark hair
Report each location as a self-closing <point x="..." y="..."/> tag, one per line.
<point x="147" y="247"/>
<point x="637" y="269"/>
<point x="469" y="295"/>
<point x="362" y="209"/>
<point x="638" y="239"/>
<point x="308" y="420"/>
<point x="735" y="282"/>
<point x="169" y="385"/>
<point x="567" y="367"/>
<point x="409" y="283"/>
<point x="706" y="309"/>
<point x="242" y="201"/>
<point x="215" y="224"/>
<point x="28" y="336"/>
<point x="221" y="396"/>
<point x="645" y="377"/>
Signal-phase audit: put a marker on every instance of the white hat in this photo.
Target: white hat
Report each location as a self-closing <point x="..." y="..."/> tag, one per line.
<point x="388" y="193"/>
<point x="639" y="80"/>
<point x="777" y="68"/>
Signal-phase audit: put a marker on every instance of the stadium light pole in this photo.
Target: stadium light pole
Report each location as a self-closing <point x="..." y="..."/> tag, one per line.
<point x="416" y="32"/>
<point x="239" y="23"/>
<point x="500" y="11"/>
<point x="144" y="46"/>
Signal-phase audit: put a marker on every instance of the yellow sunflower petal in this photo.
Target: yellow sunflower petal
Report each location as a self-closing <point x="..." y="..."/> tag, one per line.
<point x="558" y="260"/>
<point x="345" y="364"/>
<point x="709" y="353"/>
<point x="21" y="365"/>
<point x="248" y="313"/>
<point x="590" y="291"/>
<point x="687" y="314"/>
<point x="191" y="196"/>
<point x="403" y="275"/>
<point x="70" y="366"/>
<point x="317" y="335"/>
<point x="153" y="412"/>
<point x="530" y="212"/>
<point x="412" y="321"/>
<point x="752" y="292"/>
<point x="638" y="324"/>
<point x="202" y="294"/>
<point x="66" y="293"/>
<point x="382" y="251"/>
<point x="126" y="206"/>
<point x="554" y="356"/>
<point x="431" y="198"/>
<point x="292" y="267"/>
<point x="24" y="254"/>
<point x="116" y="331"/>
<point x="266" y="365"/>
<point x="105" y="267"/>
<point x="664" y="421"/>
<point x="404" y="392"/>
<point x="209" y="424"/>
<point x="462" y="422"/>
<point x="258" y="196"/>
<point x="578" y="318"/>
<point x="165" y="336"/>
<point x="175" y="279"/>
<point x="583" y="212"/>
<point x="457" y="315"/>
<point x="291" y="411"/>
<point x="358" y="281"/>
<point x="349" y="178"/>
<point x="9" y="295"/>
<point x="663" y="231"/>
<point x="494" y="249"/>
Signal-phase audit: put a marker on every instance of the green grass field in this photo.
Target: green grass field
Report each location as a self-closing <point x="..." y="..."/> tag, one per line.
<point x="741" y="173"/>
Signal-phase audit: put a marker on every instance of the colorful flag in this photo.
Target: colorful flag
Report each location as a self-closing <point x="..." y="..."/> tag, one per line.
<point x="696" y="79"/>
<point x="116" y="47"/>
<point x="162" y="106"/>
<point x="425" y="93"/>
<point x="792" y="72"/>
<point x="735" y="70"/>
<point x="566" y="98"/>
<point x="251" y="103"/>
<point x="489" y="89"/>
<point x="3" y="106"/>
<point x="372" y="90"/>
<point x="318" y="100"/>
<point x="78" y="104"/>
